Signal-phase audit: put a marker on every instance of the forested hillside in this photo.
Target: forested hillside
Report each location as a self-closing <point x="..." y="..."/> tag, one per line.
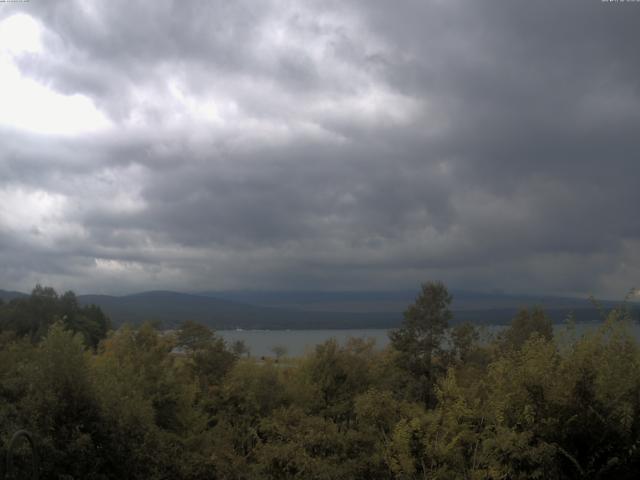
<point x="137" y="403"/>
<point x="318" y="310"/>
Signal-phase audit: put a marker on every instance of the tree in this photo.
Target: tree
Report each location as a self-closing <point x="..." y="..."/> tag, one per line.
<point x="524" y="325"/>
<point x="420" y="337"/>
<point x="463" y="339"/>
<point x="209" y="357"/>
<point x="89" y="320"/>
<point x="279" y="351"/>
<point x="59" y="405"/>
<point x="32" y="316"/>
<point x="194" y="336"/>
<point x="240" y="348"/>
<point x="337" y="375"/>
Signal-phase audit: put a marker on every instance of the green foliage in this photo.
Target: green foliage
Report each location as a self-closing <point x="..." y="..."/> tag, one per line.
<point x="32" y="317"/>
<point x="464" y="339"/>
<point x="420" y="337"/>
<point x="147" y="404"/>
<point x="279" y="351"/>
<point x="525" y="324"/>
<point x="194" y="336"/>
<point x="208" y="359"/>
<point x="47" y="389"/>
<point x="240" y="348"/>
<point x="335" y="376"/>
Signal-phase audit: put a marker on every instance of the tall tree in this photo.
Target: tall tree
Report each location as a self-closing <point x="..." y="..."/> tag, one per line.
<point x="32" y="316"/>
<point x="524" y="325"/>
<point x="420" y="337"/>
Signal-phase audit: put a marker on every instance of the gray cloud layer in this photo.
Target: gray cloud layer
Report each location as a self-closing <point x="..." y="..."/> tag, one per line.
<point x="330" y="145"/>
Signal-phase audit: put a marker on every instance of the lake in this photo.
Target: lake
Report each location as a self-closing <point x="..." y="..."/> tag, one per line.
<point x="298" y="342"/>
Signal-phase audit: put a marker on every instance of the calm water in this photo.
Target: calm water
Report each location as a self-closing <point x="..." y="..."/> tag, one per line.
<point x="298" y="342"/>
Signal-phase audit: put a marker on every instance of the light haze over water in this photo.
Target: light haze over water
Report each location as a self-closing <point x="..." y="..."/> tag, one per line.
<point x="299" y="342"/>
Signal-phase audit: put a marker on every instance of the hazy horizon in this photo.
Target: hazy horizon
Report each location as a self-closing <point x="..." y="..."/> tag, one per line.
<point x="291" y="296"/>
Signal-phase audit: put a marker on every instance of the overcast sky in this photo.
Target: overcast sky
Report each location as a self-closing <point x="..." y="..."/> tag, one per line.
<point x="195" y="145"/>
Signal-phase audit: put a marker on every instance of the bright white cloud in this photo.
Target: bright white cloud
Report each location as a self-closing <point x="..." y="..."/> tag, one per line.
<point x="38" y="214"/>
<point x="26" y="104"/>
<point x="19" y="34"/>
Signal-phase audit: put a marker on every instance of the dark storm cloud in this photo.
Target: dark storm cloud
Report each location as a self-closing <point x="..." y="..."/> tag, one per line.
<point x="332" y="145"/>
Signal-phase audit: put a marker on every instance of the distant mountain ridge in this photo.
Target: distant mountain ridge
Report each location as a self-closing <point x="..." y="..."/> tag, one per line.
<point x="317" y="310"/>
<point x="7" y="295"/>
<point x="171" y="308"/>
<point x="396" y="300"/>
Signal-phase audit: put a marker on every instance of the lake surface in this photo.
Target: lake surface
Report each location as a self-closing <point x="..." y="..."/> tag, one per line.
<point x="299" y="342"/>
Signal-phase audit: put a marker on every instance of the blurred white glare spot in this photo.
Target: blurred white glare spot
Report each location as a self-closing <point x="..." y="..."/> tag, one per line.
<point x="20" y="33"/>
<point x="28" y="105"/>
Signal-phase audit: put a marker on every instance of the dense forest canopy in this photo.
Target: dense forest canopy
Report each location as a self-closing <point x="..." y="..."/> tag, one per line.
<point x="32" y="316"/>
<point x="438" y="403"/>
